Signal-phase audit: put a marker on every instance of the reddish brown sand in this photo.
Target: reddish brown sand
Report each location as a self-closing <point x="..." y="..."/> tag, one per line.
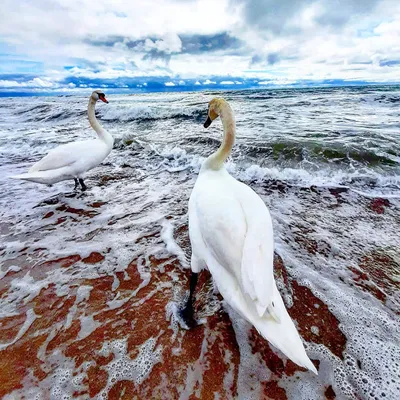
<point x="210" y="349"/>
<point x="149" y="320"/>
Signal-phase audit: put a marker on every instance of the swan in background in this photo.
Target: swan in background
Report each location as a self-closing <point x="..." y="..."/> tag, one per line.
<point x="72" y="160"/>
<point x="231" y="234"/>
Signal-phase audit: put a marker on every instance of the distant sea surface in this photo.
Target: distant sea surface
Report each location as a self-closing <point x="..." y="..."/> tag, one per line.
<point x="325" y="161"/>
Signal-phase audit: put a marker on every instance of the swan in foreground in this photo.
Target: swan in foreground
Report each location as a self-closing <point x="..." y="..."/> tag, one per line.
<point x="72" y="160"/>
<point x="231" y="234"/>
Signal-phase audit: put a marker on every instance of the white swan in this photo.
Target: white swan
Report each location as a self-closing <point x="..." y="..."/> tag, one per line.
<point x="231" y="234"/>
<point x="72" y="160"/>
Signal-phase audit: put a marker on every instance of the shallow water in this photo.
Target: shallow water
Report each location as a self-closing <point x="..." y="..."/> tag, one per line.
<point x="90" y="282"/>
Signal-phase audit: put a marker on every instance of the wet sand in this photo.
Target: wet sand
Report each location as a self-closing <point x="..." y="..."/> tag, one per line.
<point x="115" y="335"/>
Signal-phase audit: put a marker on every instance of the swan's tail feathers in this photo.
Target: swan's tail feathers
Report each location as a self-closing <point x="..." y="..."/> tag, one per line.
<point x="24" y="177"/>
<point x="278" y="328"/>
<point x="44" y="177"/>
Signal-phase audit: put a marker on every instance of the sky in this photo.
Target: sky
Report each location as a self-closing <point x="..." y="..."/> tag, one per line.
<point x="67" y="45"/>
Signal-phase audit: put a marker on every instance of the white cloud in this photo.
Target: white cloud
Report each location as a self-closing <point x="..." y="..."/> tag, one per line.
<point x="169" y="43"/>
<point x="208" y="82"/>
<point x="114" y="39"/>
<point x="169" y="84"/>
<point x="34" y="83"/>
<point x="8" y="83"/>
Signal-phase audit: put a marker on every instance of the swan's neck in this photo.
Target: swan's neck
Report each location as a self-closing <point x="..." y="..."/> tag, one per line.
<point x="216" y="160"/>
<point x="101" y="132"/>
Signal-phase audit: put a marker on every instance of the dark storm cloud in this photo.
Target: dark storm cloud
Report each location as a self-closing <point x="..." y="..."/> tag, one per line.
<point x="18" y="77"/>
<point x="270" y="59"/>
<point x="108" y="41"/>
<point x="389" y="63"/>
<point x="197" y="44"/>
<point x="154" y="55"/>
<point x="273" y="58"/>
<point x="191" y="44"/>
<point x="256" y="59"/>
<point x="272" y="15"/>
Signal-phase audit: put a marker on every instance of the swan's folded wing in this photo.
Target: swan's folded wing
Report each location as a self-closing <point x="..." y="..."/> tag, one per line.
<point x="258" y="254"/>
<point x="59" y="157"/>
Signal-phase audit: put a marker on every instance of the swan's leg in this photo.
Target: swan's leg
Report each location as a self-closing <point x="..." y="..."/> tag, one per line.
<point x="83" y="186"/>
<point x="187" y="312"/>
<point x="76" y="183"/>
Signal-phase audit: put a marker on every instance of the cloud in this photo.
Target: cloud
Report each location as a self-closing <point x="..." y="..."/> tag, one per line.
<point x="33" y="83"/>
<point x="273" y="58"/>
<point x="56" y="44"/>
<point x="287" y="16"/>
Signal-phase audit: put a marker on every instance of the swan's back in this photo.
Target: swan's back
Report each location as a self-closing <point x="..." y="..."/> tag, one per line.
<point x="231" y="232"/>
<point x="225" y="211"/>
<point x="86" y="152"/>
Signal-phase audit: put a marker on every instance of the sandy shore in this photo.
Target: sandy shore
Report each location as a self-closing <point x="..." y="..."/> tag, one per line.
<point x="114" y="335"/>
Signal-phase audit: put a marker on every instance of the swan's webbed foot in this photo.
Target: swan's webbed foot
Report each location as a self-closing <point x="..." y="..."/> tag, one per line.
<point x="83" y="186"/>
<point x="76" y="183"/>
<point x="187" y="315"/>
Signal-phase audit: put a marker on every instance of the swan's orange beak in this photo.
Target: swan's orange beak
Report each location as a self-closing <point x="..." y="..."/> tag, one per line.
<point x="103" y="98"/>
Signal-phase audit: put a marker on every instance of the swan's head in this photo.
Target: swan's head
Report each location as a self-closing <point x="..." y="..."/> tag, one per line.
<point x="214" y="110"/>
<point x="99" y="95"/>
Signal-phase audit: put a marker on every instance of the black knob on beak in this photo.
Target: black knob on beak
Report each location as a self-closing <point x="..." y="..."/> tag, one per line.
<point x="208" y="122"/>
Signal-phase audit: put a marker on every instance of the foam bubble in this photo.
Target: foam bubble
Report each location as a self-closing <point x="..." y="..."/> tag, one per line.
<point x="122" y="367"/>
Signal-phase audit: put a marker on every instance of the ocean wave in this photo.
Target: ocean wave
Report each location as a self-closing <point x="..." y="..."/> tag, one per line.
<point x="300" y="151"/>
<point x="387" y="99"/>
<point x="149" y="113"/>
<point x="321" y="177"/>
<point x="176" y="159"/>
<point x="48" y="113"/>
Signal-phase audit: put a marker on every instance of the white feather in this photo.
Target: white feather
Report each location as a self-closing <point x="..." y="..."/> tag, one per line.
<point x="231" y="233"/>
<point x="72" y="160"/>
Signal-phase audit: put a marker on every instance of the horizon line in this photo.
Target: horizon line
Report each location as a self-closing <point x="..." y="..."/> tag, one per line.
<point x="162" y="88"/>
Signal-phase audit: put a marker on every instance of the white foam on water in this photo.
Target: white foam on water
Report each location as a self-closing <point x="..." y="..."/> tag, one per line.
<point x="62" y="383"/>
<point x="230" y="374"/>
<point x="21" y="290"/>
<point x="12" y="268"/>
<point x="140" y="185"/>
<point x="30" y="318"/>
<point x="145" y="112"/>
<point x="194" y="372"/>
<point x="167" y="235"/>
<point x="123" y="368"/>
<point x="252" y="370"/>
<point x="82" y="294"/>
<point x="88" y="326"/>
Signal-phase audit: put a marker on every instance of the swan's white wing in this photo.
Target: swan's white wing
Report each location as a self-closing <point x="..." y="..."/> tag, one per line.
<point x="235" y="226"/>
<point x="258" y="251"/>
<point x="217" y="226"/>
<point x="65" y="155"/>
<point x="231" y="231"/>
